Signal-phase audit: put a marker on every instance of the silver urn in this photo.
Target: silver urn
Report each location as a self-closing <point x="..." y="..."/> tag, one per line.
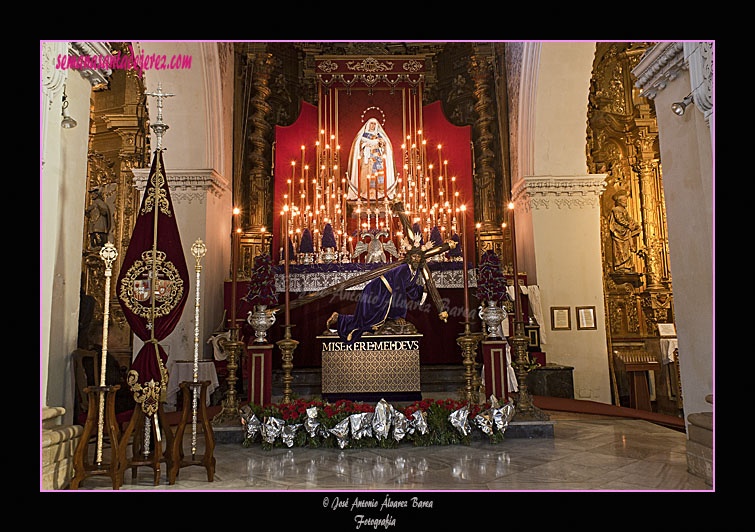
<point x="329" y="255"/>
<point x="261" y="320"/>
<point x="492" y="315"/>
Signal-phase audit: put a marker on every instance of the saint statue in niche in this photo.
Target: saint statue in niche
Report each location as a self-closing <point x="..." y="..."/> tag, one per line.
<point x="371" y="174"/>
<point x="623" y="231"/>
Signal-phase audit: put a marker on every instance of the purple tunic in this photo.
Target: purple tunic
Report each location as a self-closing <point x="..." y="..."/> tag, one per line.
<point x="383" y="298"/>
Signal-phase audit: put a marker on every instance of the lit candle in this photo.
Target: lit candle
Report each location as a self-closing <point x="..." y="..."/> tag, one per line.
<point x="454" y="194"/>
<point x="432" y="192"/>
<point x="478" y="251"/>
<point x="234" y="266"/>
<point x="285" y="264"/>
<point x="517" y="299"/>
<point x="445" y="180"/>
<point x="465" y="274"/>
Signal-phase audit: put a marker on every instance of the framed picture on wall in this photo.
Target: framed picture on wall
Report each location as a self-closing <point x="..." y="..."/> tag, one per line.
<point x="560" y="318"/>
<point x="586" y="318"/>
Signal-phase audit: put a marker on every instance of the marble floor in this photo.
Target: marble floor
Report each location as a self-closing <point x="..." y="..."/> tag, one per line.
<point x="587" y="453"/>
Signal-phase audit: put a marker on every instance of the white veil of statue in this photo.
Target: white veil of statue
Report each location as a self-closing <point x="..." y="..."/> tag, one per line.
<point x="371" y="163"/>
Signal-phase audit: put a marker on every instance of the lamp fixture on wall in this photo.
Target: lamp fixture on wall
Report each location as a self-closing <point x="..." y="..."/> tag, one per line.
<point x="680" y="107"/>
<point x="67" y="122"/>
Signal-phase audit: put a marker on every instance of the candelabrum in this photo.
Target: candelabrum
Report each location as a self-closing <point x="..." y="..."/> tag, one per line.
<point x="524" y="410"/>
<point x="231" y="406"/>
<point x="467" y="341"/>
<point x="287" y="346"/>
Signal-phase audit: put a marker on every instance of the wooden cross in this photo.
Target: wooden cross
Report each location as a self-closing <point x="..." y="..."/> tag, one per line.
<point x="416" y="257"/>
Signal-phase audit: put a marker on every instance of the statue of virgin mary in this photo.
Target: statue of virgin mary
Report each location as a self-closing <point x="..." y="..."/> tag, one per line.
<point x="371" y="172"/>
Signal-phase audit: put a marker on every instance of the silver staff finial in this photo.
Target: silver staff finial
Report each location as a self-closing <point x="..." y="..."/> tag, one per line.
<point x="159" y="127"/>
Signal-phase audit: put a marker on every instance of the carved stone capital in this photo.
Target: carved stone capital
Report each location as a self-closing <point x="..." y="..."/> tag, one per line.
<point x="573" y="192"/>
<point x="52" y="78"/>
<point x="95" y="76"/>
<point x="187" y="185"/>
<point x="699" y="56"/>
<point x="660" y="65"/>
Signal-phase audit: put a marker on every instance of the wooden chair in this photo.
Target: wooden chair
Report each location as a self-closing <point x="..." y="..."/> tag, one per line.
<point x="86" y="367"/>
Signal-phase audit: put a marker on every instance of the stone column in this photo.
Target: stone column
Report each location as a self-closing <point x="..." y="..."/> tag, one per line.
<point x="256" y="184"/>
<point x="487" y="175"/>
<point x="202" y="202"/>
<point x="558" y="240"/>
<point x="667" y="73"/>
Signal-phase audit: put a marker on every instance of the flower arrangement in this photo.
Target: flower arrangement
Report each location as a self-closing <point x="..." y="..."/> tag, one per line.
<point x="491" y="284"/>
<point x="328" y="237"/>
<point x="437" y="413"/>
<point x="262" y="283"/>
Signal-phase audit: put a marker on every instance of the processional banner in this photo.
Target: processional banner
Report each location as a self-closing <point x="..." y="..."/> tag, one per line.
<point x="153" y="287"/>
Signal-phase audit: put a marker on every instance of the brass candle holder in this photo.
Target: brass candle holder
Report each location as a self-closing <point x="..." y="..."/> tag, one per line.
<point x="287" y="346"/>
<point x="525" y="410"/>
<point x="467" y="341"/>
<point x="231" y="410"/>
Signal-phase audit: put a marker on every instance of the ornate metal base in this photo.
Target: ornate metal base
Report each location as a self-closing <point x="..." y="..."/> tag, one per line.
<point x="525" y="410"/>
<point x="287" y="346"/>
<point x="468" y="341"/>
<point x="231" y="413"/>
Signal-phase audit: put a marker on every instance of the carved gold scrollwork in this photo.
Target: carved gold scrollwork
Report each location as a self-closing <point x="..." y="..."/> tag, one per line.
<point x="140" y="280"/>
<point x="157" y="194"/>
<point x="147" y="395"/>
<point x="369" y="64"/>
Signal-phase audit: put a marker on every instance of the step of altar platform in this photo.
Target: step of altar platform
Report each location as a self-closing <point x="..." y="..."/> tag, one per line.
<point x="437" y="381"/>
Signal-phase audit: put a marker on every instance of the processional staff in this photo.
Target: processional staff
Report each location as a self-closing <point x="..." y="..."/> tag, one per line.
<point x="108" y="254"/>
<point x="159" y="127"/>
<point x="198" y="250"/>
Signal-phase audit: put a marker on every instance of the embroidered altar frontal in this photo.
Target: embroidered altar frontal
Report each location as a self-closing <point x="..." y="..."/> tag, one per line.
<point x="385" y="365"/>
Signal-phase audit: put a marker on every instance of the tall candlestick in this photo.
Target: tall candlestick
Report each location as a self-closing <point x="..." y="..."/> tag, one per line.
<point x="234" y="272"/>
<point x="453" y="194"/>
<point x="463" y="210"/>
<point x="285" y="268"/>
<point x="517" y="299"/>
<point x="445" y="180"/>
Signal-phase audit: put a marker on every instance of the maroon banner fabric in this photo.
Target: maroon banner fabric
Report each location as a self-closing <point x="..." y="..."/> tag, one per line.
<point x="153" y="248"/>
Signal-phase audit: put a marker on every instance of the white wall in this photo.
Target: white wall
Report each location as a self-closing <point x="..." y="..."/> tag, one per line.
<point x="62" y="203"/>
<point x="558" y="214"/>
<point x="686" y="155"/>
<point x="198" y="160"/>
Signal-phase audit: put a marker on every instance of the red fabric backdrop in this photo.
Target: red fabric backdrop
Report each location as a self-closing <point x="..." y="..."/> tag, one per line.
<point x="353" y="109"/>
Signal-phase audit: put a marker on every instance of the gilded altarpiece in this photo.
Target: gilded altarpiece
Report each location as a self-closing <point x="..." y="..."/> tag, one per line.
<point x="271" y="80"/>
<point x="622" y="142"/>
<point x="118" y="142"/>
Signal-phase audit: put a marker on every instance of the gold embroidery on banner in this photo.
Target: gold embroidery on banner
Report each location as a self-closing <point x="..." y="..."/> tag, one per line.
<point x="148" y="395"/>
<point x="137" y="284"/>
<point x="157" y="194"/>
